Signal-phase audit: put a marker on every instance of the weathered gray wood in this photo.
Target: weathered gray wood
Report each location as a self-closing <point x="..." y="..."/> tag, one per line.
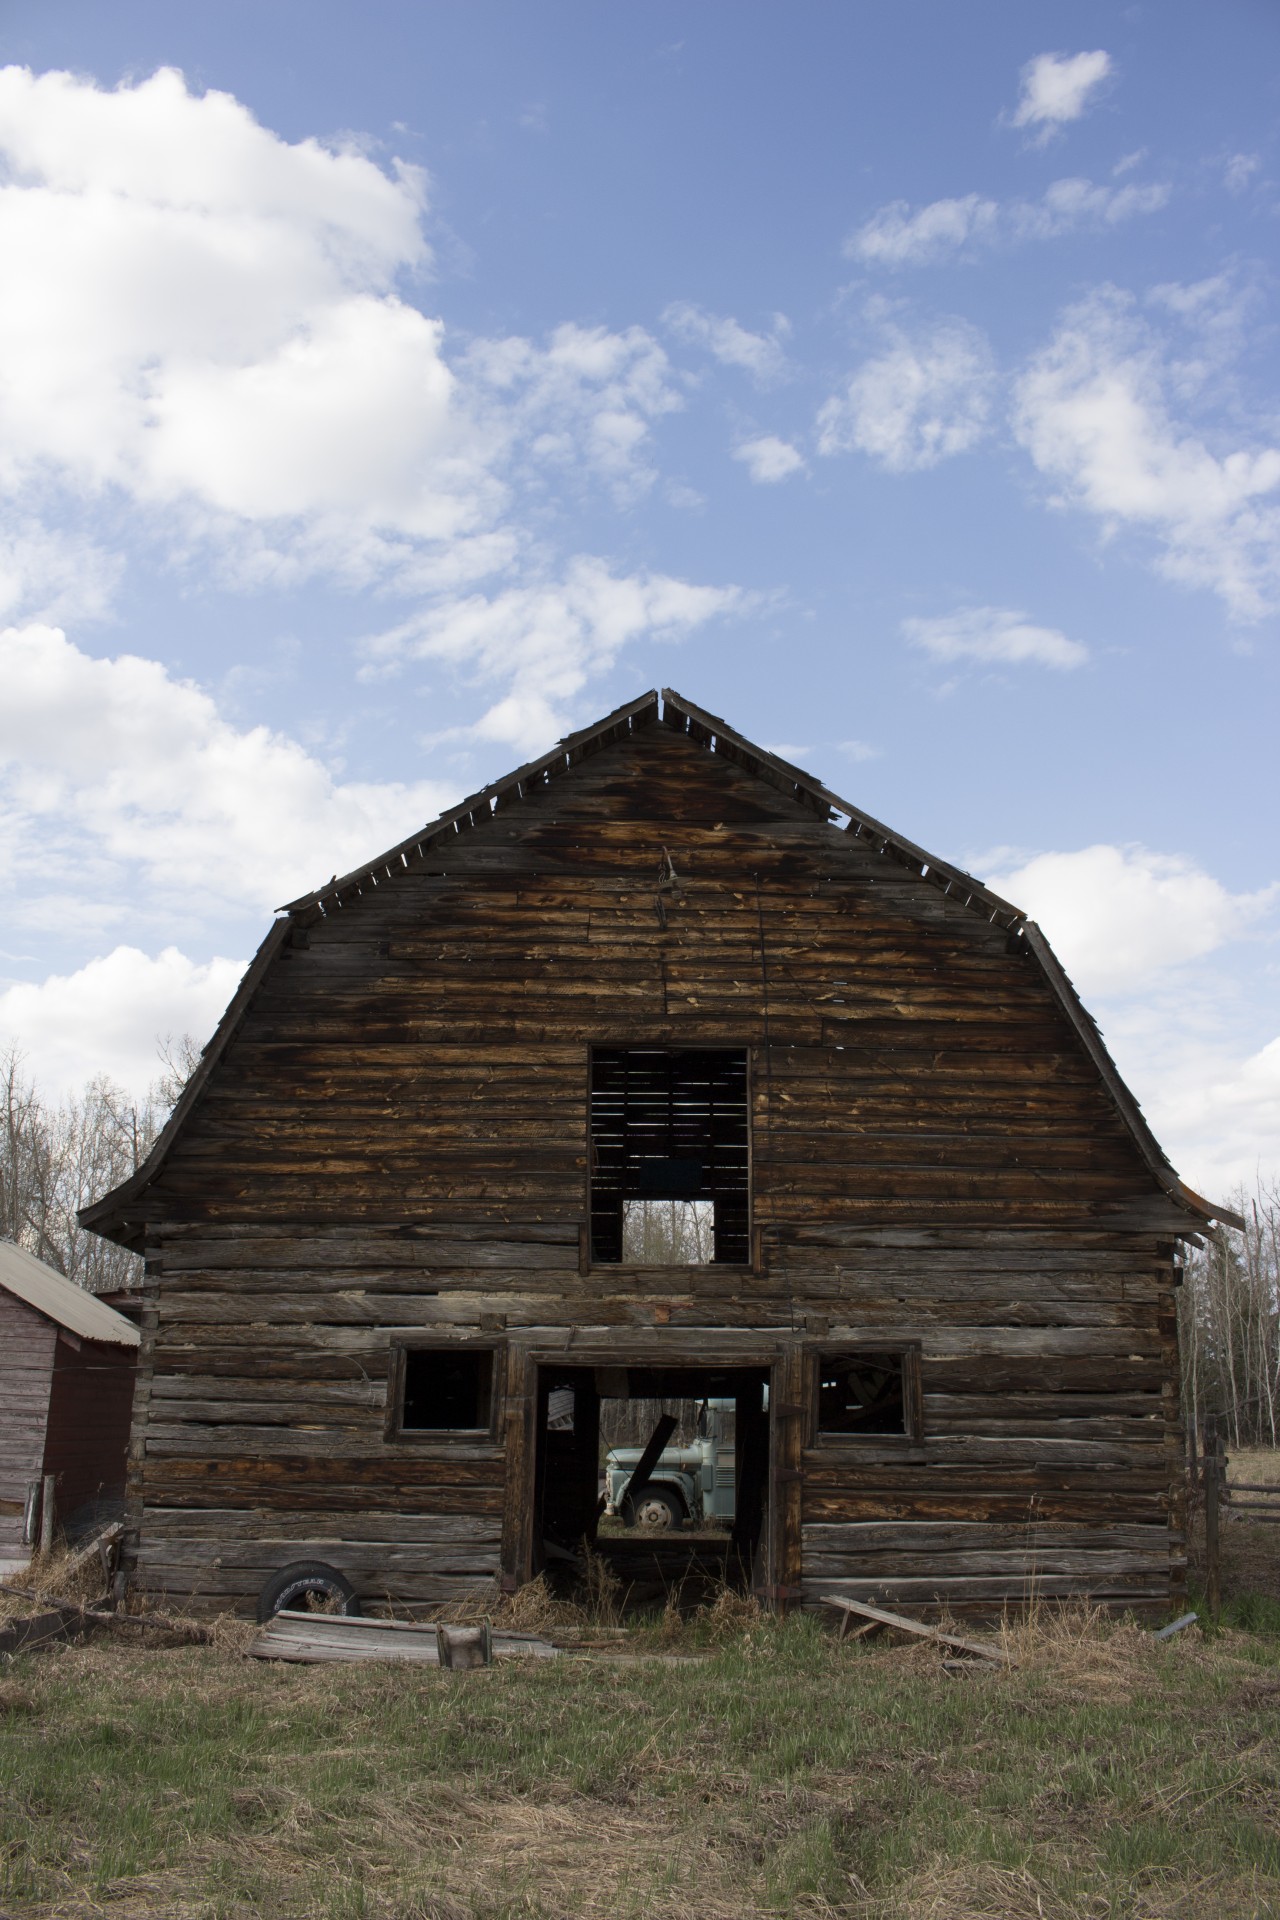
<point x="312" y="1637"/>
<point x="880" y="1616"/>
<point x="392" y="1136"/>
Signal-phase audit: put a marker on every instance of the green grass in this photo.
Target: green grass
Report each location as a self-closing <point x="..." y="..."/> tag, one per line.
<point x="776" y="1774"/>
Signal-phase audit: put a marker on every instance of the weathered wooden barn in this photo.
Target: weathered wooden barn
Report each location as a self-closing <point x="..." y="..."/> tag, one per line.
<point x="67" y="1365"/>
<point x="389" y="1217"/>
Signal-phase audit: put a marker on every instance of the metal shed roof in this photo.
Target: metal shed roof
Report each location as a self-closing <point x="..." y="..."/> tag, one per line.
<point x="52" y="1294"/>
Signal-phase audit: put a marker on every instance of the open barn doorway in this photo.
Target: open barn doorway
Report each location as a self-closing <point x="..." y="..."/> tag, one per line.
<point x="662" y="1472"/>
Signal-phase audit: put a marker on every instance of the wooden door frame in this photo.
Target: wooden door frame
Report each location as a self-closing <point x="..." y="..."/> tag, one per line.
<point x="782" y="1356"/>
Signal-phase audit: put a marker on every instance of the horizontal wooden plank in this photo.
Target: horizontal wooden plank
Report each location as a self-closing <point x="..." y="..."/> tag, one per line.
<point x="995" y="1587"/>
<point x="968" y="1536"/>
<point x="1084" y="1503"/>
<point x="397" y="1481"/>
<point x="163" y="1524"/>
<point x="1098" y="1563"/>
<point x="222" y="1566"/>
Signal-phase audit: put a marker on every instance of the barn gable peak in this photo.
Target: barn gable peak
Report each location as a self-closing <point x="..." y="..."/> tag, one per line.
<point x="716" y="738"/>
<point x="708" y="733"/>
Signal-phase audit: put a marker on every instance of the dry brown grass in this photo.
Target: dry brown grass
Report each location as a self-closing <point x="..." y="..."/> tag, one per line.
<point x="779" y="1775"/>
<point x="979" y="1891"/>
<point x="1106" y="1777"/>
<point x="1258" y="1465"/>
<point x="52" y="1573"/>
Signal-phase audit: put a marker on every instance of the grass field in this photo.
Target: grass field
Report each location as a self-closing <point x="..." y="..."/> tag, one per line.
<point x="777" y="1773"/>
<point x="721" y="1767"/>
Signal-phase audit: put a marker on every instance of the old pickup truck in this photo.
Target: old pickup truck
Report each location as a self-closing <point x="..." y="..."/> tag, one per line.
<point x="690" y="1485"/>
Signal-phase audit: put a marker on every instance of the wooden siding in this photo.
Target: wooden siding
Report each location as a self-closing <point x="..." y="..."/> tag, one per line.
<point x="26" y="1364"/>
<point x="397" y="1138"/>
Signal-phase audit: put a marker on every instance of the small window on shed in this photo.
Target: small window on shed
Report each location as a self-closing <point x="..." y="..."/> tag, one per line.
<point x="446" y="1389"/>
<point x="864" y="1393"/>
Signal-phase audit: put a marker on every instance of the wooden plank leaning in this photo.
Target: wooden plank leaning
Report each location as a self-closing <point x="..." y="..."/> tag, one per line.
<point x="881" y="1617"/>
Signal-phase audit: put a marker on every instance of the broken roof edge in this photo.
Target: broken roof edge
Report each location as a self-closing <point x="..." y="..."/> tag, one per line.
<point x="952" y="880"/>
<point x="1130" y="1112"/>
<point x="709" y="731"/>
<point x="574" y="746"/>
<point x="108" y="1215"/>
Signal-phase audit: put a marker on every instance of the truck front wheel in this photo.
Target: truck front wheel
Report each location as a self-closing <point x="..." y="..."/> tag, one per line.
<point x="655" y="1507"/>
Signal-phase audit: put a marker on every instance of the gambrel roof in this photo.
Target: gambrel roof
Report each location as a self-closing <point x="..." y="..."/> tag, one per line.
<point x="707" y="731"/>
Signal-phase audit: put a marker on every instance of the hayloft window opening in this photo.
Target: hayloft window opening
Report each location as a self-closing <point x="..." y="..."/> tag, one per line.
<point x="869" y="1394"/>
<point x="670" y="1161"/>
<point x="444" y="1390"/>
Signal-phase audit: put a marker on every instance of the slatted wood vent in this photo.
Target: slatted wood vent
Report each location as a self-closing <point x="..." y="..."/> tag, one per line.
<point x="670" y="1126"/>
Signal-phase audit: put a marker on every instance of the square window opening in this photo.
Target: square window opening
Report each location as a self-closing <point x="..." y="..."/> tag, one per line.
<point x="668" y="1233"/>
<point x="447" y="1390"/>
<point x="670" y="1156"/>
<point x="862" y="1394"/>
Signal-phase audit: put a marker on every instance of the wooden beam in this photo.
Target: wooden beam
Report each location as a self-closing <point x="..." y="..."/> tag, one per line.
<point x="881" y="1617"/>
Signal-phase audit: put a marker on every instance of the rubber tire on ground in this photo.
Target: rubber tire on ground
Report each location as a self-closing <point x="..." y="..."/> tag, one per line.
<point x="294" y="1584"/>
<point x="655" y="1496"/>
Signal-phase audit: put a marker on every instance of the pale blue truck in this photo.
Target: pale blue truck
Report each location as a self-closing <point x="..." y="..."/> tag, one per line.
<point x="689" y="1486"/>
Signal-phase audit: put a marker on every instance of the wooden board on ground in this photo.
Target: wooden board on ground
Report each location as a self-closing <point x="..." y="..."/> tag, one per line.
<point x="880" y="1617"/>
<point x="312" y="1637"/>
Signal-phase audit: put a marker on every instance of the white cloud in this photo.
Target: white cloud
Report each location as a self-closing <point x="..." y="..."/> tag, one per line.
<point x="1218" y="1112"/>
<point x="1119" y="916"/>
<point x="1067" y="205"/>
<point x="1159" y="950"/>
<point x="1057" y="88"/>
<point x="1239" y="170"/>
<point x="215" y="322"/>
<point x="924" y="399"/>
<point x="1092" y="412"/>
<point x="168" y="258"/>
<point x="759" y="354"/>
<point x="113" y="773"/>
<point x="107" y="1017"/>
<point x="548" y="639"/>
<point x="49" y="575"/>
<point x="584" y="400"/>
<point x="899" y="235"/>
<point x="768" y="459"/>
<point x="994" y="636"/>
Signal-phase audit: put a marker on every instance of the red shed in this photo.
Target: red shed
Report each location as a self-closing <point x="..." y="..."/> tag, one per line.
<point x="67" y="1364"/>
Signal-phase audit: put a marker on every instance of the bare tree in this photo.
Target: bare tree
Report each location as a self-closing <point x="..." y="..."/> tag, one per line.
<point x="668" y="1233"/>
<point x="55" y="1159"/>
<point x="28" y="1158"/>
<point x="1229" y="1324"/>
<point x="179" y="1056"/>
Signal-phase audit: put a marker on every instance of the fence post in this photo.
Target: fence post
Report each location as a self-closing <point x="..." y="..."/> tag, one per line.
<point x="46" y="1514"/>
<point x="31" y="1514"/>
<point x="1213" y="1560"/>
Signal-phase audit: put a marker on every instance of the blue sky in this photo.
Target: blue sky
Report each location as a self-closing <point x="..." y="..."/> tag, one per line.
<point x="385" y="391"/>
